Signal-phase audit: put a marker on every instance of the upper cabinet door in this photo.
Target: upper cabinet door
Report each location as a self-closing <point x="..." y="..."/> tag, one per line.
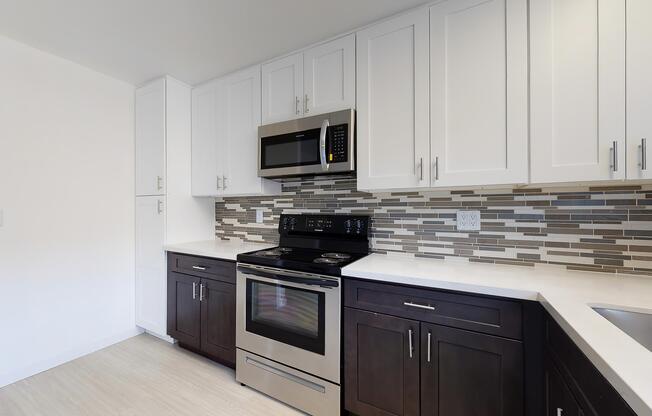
<point x="478" y="67"/>
<point x="283" y="89"/>
<point x="240" y="130"/>
<point x="393" y="103"/>
<point x="577" y="50"/>
<point x="150" y="139"/>
<point x="639" y="89"/>
<point x="329" y="76"/>
<point x="207" y="150"/>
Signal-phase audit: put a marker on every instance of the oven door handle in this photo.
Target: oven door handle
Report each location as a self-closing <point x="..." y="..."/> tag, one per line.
<point x="322" y="145"/>
<point x="308" y="281"/>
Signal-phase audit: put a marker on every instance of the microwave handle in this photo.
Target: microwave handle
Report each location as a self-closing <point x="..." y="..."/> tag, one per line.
<point x="322" y="145"/>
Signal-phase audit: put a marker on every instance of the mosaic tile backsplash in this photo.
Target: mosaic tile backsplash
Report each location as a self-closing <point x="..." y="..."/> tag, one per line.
<point x="597" y="228"/>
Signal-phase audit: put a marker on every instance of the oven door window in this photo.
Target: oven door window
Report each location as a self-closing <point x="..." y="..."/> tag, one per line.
<point x="286" y="314"/>
<point x="296" y="149"/>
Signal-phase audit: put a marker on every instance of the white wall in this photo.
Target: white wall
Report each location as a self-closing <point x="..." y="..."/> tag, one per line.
<point x="66" y="190"/>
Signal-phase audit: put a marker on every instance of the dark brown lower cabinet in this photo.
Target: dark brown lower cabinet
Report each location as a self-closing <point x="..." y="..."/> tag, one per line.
<point x="381" y="364"/>
<point x="465" y="373"/>
<point x="201" y="306"/>
<point x="218" y="320"/>
<point x="184" y="309"/>
<point x="559" y="399"/>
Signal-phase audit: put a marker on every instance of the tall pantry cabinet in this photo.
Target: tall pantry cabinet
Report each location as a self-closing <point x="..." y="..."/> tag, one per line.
<point x="165" y="210"/>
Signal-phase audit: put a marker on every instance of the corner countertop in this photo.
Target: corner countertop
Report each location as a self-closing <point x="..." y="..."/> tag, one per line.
<point x="219" y="249"/>
<point x="567" y="295"/>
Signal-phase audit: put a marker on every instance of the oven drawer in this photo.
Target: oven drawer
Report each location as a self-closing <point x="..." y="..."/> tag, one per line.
<point x="475" y="313"/>
<point x="296" y="388"/>
<point x="222" y="270"/>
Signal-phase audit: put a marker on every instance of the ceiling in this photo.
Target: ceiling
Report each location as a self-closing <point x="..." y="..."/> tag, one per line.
<point x="192" y="40"/>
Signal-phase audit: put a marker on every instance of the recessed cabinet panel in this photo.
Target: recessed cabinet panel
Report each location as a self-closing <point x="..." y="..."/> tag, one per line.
<point x="283" y="89"/>
<point x="329" y="76"/>
<point x="478" y="56"/>
<point x="184" y="309"/>
<point x="218" y="320"/>
<point x="150" y="139"/>
<point x="577" y="50"/>
<point x="393" y="103"/>
<point x="639" y="89"/>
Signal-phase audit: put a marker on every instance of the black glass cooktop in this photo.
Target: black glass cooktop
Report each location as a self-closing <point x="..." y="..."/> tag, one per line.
<point x="301" y="259"/>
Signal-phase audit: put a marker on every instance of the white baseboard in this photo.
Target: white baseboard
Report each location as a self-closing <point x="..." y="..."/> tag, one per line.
<point x="48" y="363"/>
<point x="165" y="338"/>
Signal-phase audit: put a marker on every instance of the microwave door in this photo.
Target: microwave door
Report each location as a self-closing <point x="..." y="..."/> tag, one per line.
<point x="289" y="152"/>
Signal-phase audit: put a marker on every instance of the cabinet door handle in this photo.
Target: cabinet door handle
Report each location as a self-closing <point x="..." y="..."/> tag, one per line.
<point x="420" y="168"/>
<point x="159" y="183"/>
<point x="643" y="147"/>
<point x="224" y="182"/>
<point x="436" y="168"/>
<point x="410" y="346"/>
<point x="159" y="207"/>
<point x="429" y="338"/>
<point x="296" y="105"/>
<point x="305" y="104"/>
<point x="199" y="268"/>
<point x="201" y="292"/>
<point x="419" y="306"/>
<point x="218" y="183"/>
<point x="614" y="156"/>
<point x="559" y="411"/>
<point x="194" y="290"/>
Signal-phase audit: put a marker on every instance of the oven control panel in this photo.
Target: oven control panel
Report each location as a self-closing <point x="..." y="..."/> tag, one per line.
<point x="351" y="225"/>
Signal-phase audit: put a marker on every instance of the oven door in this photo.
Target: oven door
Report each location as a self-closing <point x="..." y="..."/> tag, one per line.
<point x="310" y="145"/>
<point x="290" y="317"/>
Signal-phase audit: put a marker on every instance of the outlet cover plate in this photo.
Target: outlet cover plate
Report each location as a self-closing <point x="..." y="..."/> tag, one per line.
<point x="468" y="220"/>
<point x="259" y="216"/>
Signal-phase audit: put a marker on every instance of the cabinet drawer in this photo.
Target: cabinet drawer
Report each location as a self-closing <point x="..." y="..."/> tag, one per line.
<point x="596" y="396"/>
<point x="491" y="316"/>
<point x="222" y="270"/>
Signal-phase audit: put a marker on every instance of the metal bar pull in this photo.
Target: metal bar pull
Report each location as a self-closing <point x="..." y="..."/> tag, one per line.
<point x="305" y="104"/>
<point x="159" y="207"/>
<point x="429" y="340"/>
<point x="202" y="268"/>
<point x="296" y="105"/>
<point x="218" y="187"/>
<point x="419" y="306"/>
<point x="560" y="411"/>
<point x="201" y="292"/>
<point x="420" y="168"/>
<point x="159" y="183"/>
<point x="643" y="147"/>
<point x="224" y="182"/>
<point x="614" y="156"/>
<point x="194" y="290"/>
<point x="436" y="168"/>
<point x="410" y="346"/>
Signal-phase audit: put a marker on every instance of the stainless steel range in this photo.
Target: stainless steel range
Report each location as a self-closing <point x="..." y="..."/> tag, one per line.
<point x="288" y="310"/>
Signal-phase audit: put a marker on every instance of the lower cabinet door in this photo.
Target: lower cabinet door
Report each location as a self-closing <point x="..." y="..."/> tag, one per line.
<point x="184" y="309"/>
<point x="559" y="399"/>
<point x="469" y="374"/>
<point x="218" y="320"/>
<point x="381" y="364"/>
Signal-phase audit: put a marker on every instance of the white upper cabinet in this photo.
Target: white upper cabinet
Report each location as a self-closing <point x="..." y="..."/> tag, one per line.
<point x="479" y="92"/>
<point x="329" y="76"/>
<point x="150" y="138"/>
<point x="226" y="116"/>
<point x="206" y="158"/>
<point x="577" y="50"/>
<point x="283" y="89"/>
<point x="639" y="89"/>
<point x="393" y="104"/>
<point x="319" y="80"/>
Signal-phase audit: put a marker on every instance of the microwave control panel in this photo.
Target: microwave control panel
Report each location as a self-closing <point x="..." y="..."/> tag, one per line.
<point x="337" y="145"/>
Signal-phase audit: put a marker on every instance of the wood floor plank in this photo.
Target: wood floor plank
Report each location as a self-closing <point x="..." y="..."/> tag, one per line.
<point x="140" y="376"/>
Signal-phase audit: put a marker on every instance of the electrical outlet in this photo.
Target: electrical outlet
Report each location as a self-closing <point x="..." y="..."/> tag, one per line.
<point x="259" y="216"/>
<point x="468" y="220"/>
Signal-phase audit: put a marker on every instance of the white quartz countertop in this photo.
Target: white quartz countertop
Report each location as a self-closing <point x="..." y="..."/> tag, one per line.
<point x="567" y="295"/>
<point x="219" y="249"/>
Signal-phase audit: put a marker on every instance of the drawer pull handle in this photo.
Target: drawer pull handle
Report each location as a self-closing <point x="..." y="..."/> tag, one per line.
<point x="419" y="306"/>
<point x="199" y="268"/>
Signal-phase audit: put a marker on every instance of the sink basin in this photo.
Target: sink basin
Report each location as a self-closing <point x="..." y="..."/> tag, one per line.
<point x="636" y="325"/>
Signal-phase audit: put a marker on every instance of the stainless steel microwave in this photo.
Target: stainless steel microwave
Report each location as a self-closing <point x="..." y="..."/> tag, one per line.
<point x="314" y="145"/>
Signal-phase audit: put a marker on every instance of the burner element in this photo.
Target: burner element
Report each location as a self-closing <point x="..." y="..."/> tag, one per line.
<point x="275" y="252"/>
<point x="337" y="256"/>
<point x="327" y="260"/>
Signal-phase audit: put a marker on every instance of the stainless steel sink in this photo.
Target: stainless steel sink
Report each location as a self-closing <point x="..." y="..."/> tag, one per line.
<point x="636" y="325"/>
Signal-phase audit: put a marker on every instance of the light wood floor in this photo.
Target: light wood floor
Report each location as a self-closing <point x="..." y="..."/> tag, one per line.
<point x="138" y="377"/>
